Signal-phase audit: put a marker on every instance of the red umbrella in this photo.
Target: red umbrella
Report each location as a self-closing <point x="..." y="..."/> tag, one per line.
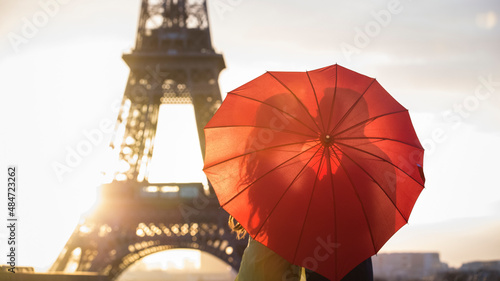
<point x="322" y="167"/>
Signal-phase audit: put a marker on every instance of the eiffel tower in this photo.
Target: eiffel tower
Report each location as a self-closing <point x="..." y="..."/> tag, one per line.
<point x="173" y="62"/>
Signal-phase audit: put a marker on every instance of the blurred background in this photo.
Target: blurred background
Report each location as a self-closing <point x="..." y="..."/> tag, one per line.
<point x="62" y="76"/>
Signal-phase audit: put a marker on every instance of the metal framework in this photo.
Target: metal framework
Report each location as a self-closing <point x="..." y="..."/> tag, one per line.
<point x="173" y="62"/>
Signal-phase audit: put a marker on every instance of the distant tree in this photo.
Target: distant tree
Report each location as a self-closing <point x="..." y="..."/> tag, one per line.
<point x="487" y="275"/>
<point x="454" y="276"/>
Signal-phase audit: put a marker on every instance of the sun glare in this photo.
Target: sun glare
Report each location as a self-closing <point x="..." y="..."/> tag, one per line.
<point x="177" y="154"/>
<point x="179" y="264"/>
<point x="174" y="260"/>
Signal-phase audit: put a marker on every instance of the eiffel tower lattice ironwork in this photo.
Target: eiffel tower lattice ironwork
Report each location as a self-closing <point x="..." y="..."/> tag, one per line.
<point x="173" y="62"/>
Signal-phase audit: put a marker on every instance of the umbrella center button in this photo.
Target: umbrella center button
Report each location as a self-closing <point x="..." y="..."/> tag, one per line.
<point x="326" y="139"/>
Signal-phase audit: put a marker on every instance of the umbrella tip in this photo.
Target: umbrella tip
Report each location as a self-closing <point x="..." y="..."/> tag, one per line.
<point x="326" y="139"/>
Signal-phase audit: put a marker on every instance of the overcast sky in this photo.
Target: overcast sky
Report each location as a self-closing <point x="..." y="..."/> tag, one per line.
<point x="61" y="75"/>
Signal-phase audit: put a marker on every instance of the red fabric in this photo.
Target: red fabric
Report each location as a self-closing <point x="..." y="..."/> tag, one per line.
<point x="323" y="167"/>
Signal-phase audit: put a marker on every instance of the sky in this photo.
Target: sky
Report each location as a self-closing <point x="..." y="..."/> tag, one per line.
<point x="62" y="76"/>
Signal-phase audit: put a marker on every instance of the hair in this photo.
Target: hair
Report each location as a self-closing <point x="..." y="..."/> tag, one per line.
<point x="237" y="228"/>
<point x="254" y="164"/>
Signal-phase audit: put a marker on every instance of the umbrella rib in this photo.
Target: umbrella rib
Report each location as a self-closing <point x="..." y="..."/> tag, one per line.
<point x="280" y="110"/>
<point x="265" y="174"/>
<point x="317" y="102"/>
<point x="380" y="158"/>
<point x="368" y="120"/>
<point x="380" y="139"/>
<point x="309" y="205"/>
<point x="254" y="151"/>
<point x="260" y="127"/>
<point x="329" y="168"/>
<point x="352" y="107"/>
<point x="334" y="97"/>
<point x="287" y="189"/>
<point x="297" y="98"/>
<point x="359" y="199"/>
<point x="371" y="177"/>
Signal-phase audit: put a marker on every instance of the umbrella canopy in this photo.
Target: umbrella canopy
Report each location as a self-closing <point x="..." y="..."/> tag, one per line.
<point x="322" y="167"/>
